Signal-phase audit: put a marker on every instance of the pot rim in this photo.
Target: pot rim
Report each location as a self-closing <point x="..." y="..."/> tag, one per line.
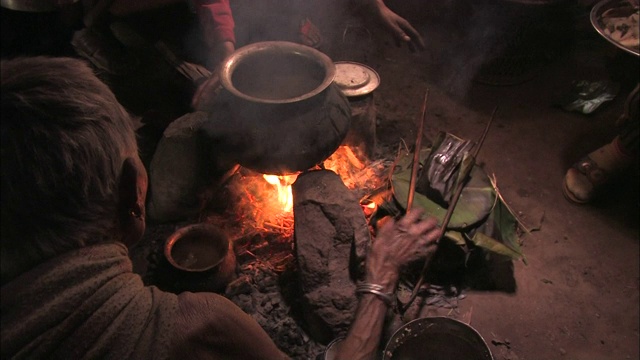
<point x="397" y="338"/>
<point x="230" y="64"/>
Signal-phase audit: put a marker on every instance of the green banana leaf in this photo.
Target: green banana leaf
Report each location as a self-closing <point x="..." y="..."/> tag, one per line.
<point x="479" y="202"/>
<point x="495" y="246"/>
<point x="458" y="238"/>
<point x="507" y="224"/>
<point x="475" y="203"/>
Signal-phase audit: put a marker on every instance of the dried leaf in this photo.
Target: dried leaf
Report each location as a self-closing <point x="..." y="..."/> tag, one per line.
<point x="457" y="237"/>
<point x="493" y="245"/>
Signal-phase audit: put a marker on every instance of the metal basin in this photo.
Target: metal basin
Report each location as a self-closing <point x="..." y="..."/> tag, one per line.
<point x="436" y="338"/>
<point x="621" y="8"/>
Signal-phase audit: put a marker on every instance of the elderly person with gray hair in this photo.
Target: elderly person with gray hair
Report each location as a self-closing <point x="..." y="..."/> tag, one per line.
<point x="73" y="200"/>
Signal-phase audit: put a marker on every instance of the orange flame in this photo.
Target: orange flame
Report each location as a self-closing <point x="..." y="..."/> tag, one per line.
<point x="283" y="185"/>
<point x="264" y="203"/>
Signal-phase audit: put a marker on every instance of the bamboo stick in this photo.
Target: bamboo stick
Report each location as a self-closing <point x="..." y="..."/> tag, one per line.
<point x="416" y="154"/>
<point x="445" y="222"/>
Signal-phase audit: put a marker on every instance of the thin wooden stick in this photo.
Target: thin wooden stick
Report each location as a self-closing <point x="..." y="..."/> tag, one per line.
<point x="416" y="154"/>
<point x="445" y="222"/>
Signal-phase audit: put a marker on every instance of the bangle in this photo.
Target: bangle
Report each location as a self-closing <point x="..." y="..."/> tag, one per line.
<point x="376" y="290"/>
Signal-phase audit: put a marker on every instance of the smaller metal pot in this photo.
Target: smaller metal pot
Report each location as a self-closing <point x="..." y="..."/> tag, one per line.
<point x="202" y="258"/>
<point x="330" y="351"/>
<point x="196" y="248"/>
<point x="436" y="338"/>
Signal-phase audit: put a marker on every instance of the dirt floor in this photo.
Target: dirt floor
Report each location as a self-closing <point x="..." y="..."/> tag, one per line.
<point x="577" y="297"/>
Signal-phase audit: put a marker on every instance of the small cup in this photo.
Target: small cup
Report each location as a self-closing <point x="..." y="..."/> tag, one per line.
<point x="204" y="255"/>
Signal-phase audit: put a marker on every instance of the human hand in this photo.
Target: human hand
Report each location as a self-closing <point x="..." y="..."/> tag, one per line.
<point x="205" y="94"/>
<point x="398" y="243"/>
<point x="207" y="89"/>
<point x="399" y="27"/>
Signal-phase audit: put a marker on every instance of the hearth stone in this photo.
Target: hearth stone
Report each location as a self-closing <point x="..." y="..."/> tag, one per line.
<point x="331" y="240"/>
<point x="183" y="166"/>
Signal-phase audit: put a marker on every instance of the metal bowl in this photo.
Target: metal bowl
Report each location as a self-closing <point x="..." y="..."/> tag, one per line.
<point x="622" y="6"/>
<point x="276" y="72"/>
<point x="436" y="338"/>
<point x="196" y="248"/>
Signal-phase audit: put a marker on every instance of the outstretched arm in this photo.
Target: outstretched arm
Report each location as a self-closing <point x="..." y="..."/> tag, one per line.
<point x="398" y="243"/>
<point x="216" y="21"/>
<point x="402" y="31"/>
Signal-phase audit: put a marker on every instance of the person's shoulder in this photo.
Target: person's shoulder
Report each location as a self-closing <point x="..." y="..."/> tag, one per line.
<point x="204" y="303"/>
<point x="211" y="326"/>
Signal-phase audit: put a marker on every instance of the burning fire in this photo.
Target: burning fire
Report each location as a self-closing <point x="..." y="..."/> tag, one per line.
<point x="344" y="162"/>
<point x="283" y="185"/>
<point x="264" y="202"/>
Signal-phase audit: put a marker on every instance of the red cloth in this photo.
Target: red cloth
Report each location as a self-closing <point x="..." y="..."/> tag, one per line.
<point x="216" y="21"/>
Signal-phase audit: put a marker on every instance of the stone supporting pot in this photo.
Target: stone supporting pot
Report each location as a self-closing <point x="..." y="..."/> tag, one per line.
<point x="331" y="238"/>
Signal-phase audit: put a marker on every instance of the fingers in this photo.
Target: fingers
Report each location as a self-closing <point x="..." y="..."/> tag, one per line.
<point x="427" y="227"/>
<point x="205" y="92"/>
<point x="414" y="38"/>
<point x="403" y="32"/>
<point x="410" y="227"/>
<point x="400" y="242"/>
<point x="423" y="231"/>
<point x="412" y="216"/>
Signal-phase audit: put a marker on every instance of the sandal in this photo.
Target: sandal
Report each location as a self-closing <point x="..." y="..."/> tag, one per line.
<point x="582" y="179"/>
<point x="587" y="176"/>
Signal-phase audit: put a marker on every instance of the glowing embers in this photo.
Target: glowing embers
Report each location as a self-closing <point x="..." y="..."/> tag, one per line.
<point x="264" y="203"/>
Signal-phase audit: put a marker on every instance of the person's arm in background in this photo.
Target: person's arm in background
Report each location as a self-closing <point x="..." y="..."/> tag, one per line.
<point x="215" y="17"/>
<point x="402" y="31"/>
<point x="216" y="21"/>
<point x="398" y="243"/>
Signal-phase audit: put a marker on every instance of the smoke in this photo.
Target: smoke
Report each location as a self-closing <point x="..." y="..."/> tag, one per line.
<point x="463" y="37"/>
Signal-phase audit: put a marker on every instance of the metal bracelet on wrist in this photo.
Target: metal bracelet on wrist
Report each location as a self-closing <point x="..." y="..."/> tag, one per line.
<point x="376" y="290"/>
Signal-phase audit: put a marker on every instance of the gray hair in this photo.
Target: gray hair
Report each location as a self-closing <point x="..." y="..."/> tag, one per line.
<point x="64" y="140"/>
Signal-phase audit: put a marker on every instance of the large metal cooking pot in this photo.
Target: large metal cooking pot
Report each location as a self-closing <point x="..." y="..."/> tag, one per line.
<point x="280" y="111"/>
